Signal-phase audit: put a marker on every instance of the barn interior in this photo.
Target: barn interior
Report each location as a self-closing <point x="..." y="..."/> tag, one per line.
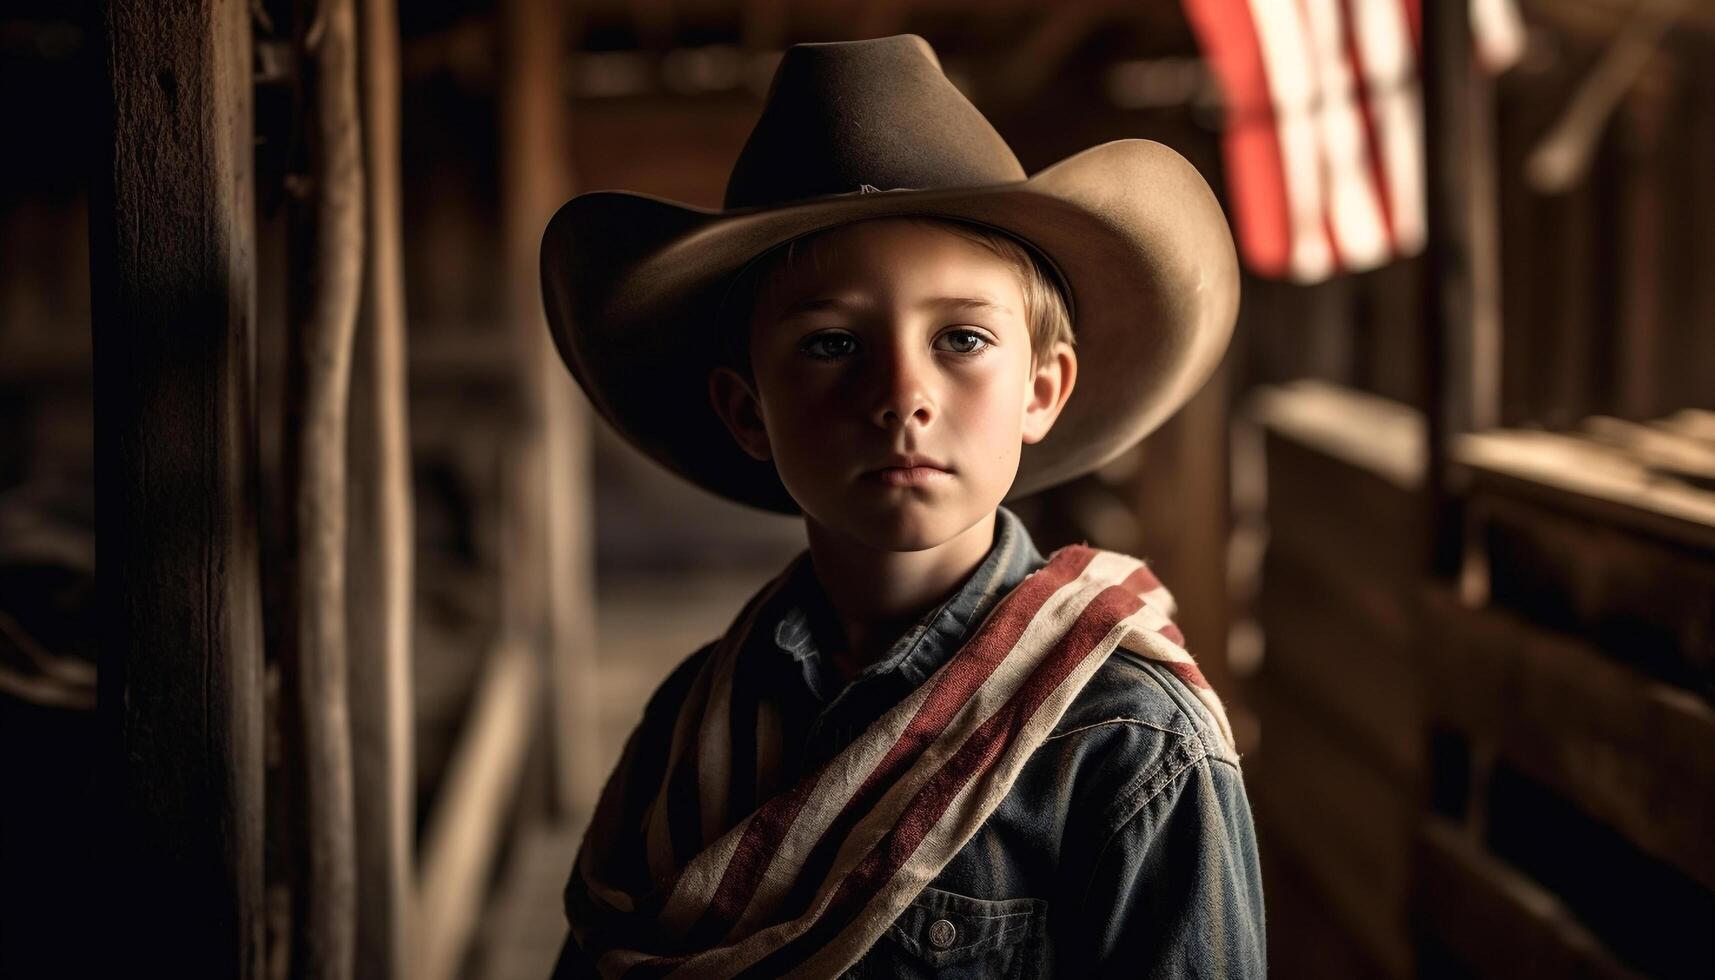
<point x="326" y="602"/>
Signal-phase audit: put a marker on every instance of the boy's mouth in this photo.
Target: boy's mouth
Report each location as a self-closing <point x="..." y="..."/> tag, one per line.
<point x="909" y="470"/>
<point x="908" y="476"/>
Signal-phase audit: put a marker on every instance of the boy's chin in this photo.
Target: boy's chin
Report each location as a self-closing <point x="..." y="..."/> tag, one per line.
<point x="905" y="525"/>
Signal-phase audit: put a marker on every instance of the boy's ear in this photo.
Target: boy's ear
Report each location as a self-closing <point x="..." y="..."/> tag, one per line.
<point x="735" y="401"/>
<point x="1051" y="383"/>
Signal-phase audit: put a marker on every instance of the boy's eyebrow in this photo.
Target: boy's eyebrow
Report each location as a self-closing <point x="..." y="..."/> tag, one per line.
<point x="974" y="304"/>
<point x="816" y="304"/>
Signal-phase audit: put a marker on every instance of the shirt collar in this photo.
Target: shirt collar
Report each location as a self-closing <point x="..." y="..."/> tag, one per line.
<point x="805" y="611"/>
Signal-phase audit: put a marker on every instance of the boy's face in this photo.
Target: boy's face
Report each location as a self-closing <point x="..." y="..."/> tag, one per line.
<point x="894" y="385"/>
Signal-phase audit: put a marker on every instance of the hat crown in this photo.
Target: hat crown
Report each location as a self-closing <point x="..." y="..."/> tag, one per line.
<point x="879" y="112"/>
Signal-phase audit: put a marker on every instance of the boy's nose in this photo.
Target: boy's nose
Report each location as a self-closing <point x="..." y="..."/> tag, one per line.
<point x="902" y="397"/>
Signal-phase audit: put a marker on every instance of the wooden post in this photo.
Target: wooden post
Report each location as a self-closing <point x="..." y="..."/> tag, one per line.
<point x="549" y="567"/>
<point x="327" y="275"/>
<point x="1448" y="339"/>
<point x="380" y="547"/>
<point x="172" y="269"/>
<point x="464" y="827"/>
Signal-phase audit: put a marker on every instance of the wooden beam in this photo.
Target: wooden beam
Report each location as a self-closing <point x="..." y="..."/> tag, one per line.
<point x="1495" y="921"/>
<point x="463" y="831"/>
<point x="1448" y="343"/>
<point x="327" y="276"/>
<point x="548" y="576"/>
<point x="172" y="229"/>
<point x="1631" y="752"/>
<point x="380" y="546"/>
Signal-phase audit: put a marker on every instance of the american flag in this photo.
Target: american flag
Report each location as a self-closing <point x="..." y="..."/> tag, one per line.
<point x="701" y="862"/>
<point x="1324" y="124"/>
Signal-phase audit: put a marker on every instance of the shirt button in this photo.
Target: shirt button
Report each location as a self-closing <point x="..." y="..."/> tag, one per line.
<point x="942" y="933"/>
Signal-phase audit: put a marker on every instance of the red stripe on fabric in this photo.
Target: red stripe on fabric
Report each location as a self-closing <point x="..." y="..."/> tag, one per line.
<point x="1172" y="633"/>
<point x="1141" y="581"/>
<point x="1256" y="173"/>
<point x="1189" y="673"/>
<point x="1414" y="19"/>
<point x="974" y="758"/>
<point x="955" y="684"/>
<point x="1328" y="217"/>
<point x="1372" y="146"/>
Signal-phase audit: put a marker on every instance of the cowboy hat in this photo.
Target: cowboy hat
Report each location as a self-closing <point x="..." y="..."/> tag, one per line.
<point x="869" y="129"/>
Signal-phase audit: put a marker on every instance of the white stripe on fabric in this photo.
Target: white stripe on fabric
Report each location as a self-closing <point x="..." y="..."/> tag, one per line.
<point x="972" y="805"/>
<point x="1150" y="644"/>
<point x="1055" y="616"/>
<point x="1390" y="75"/>
<point x="714" y="759"/>
<point x="1353" y="207"/>
<point x="1286" y="65"/>
<point x="662" y="861"/>
<point x="1161" y="599"/>
<point x="1051" y="622"/>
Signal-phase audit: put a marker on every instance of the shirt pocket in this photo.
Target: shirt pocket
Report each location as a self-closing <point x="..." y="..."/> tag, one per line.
<point x="946" y="935"/>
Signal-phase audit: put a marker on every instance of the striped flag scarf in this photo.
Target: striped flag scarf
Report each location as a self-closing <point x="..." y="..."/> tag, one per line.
<point x="712" y="885"/>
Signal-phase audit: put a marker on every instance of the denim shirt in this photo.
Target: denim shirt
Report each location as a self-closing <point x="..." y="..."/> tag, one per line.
<point x="1124" y="847"/>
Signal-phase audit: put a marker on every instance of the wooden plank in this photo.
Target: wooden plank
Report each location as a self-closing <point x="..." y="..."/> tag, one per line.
<point x="1370" y="434"/>
<point x="327" y="231"/>
<point x="1627" y="750"/>
<point x="1642" y="600"/>
<point x="1343" y="476"/>
<point x="1344" y="644"/>
<point x="1346" y="825"/>
<point x="172" y="237"/>
<point x="463" y="830"/>
<point x="1660" y="446"/>
<point x="380" y="549"/>
<point x="1590" y="480"/>
<point x="1495" y="921"/>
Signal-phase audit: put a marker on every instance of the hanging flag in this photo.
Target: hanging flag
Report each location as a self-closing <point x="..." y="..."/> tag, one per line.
<point x="1324" y="124"/>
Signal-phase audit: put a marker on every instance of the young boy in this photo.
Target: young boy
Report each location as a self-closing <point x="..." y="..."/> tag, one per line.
<point x="923" y="749"/>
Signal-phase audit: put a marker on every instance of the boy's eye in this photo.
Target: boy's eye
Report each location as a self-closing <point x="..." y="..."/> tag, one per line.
<point x="962" y="341"/>
<point x="826" y="346"/>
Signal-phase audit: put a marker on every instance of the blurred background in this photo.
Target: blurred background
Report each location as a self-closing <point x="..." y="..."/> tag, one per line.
<point x="379" y="600"/>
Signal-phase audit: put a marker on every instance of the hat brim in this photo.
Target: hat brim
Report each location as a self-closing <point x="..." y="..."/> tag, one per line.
<point x="630" y="282"/>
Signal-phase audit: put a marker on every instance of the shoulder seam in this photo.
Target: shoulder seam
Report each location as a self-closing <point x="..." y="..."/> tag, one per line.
<point x="1186" y="705"/>
<point x="1146" y="785"/>
<point x="1120" y="721"/>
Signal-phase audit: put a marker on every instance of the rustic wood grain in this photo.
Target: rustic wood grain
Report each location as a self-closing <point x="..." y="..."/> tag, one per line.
<point x="172" y="227"/>
<point x="327" y="276"/>
<point x="380" y="549"/>
<point x="1631" y="752"/>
